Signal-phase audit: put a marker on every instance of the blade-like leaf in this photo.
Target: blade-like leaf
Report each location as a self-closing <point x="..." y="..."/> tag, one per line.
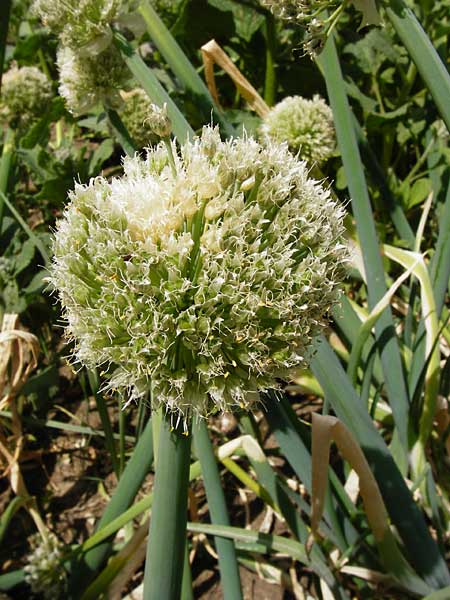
<point x="5" y="167"/>
<point x="324" y="430"/>
<point x="121" y="132"/>
<point x="36" y="241"/>
<point x="152" y="87"/>
<point x="345" y="131"/>
<point x="269" y="543"/>
<point x="439" y="268"/>
<point x="423" y="553"/>
<point x="181" y="66"/>
<point x="135" y="471"/>
<point x="424" y="55"/>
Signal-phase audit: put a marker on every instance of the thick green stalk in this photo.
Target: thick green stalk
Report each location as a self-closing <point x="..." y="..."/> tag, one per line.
<point x="5" y="167"/>
<point x="427" y="60"/>
<point x="167" y="538"/>
<point x="270" y="82"/>
<point x="181" y="65"/>
<point x="385" y="331"/>
<point x="134" y="474"/>
<point x="229" y="571"/>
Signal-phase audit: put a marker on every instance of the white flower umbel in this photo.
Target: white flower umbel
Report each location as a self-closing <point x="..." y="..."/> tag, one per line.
<point x="44" y="572"/>
<point x="86" y="82"/>
<point x="306" y="125"/>
<point x="24" y="97"/>
<point x="208" y="278"/>
<point x="84" y="25"/>
<point x="145" y="121"/>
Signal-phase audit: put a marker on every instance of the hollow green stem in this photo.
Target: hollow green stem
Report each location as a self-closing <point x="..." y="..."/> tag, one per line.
<point x="229" y="571"/>
<point x="167" y="538"/>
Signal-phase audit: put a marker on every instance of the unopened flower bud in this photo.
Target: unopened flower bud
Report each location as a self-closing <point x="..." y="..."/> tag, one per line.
<point x="158" y="121"/>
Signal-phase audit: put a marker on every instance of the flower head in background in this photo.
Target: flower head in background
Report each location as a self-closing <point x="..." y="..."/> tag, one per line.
<point x="291" y="10"/>
<point x="207" y="275"/>
<point x="44" y="572"/>
<point x="319" y="17"/>
<point x="85" y="25"/>
<point x="85" y="82"/>
<point x="26" y="92"/>
<point x="306" y="125"/>
<point x="145" y="121"/>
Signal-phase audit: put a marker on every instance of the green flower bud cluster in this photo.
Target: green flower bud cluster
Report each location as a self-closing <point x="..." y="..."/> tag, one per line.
<point x="203" y="273"/>
<point x="92" y="70"/>
<point x="319" y="17"/>
<point x="308" y="14"/>
<point x="145" y="121"/>
<point x="44" y="572"/>
<point x="306" y="125"/>
<point x="26" y="92"/>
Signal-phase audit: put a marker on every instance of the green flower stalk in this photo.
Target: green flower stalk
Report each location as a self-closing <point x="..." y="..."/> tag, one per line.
<point x="26" y="92"/>
<point x="206" y="273"/>
<point x="88" y="81"/>
<point x="44" y="572"/>
<point x="306" y="125"/>
<point x="145" y="122"/>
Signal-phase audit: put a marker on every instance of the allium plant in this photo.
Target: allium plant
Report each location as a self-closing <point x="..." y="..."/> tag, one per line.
<point x="84" y="24"/>
<point x="306" y="125"/>
<point x="91" y="68"/>
<point x="88" y="81"/>
<point x="26" y="92"/>
<point x="205" y="274"/>
<point x="44" y="572"/>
